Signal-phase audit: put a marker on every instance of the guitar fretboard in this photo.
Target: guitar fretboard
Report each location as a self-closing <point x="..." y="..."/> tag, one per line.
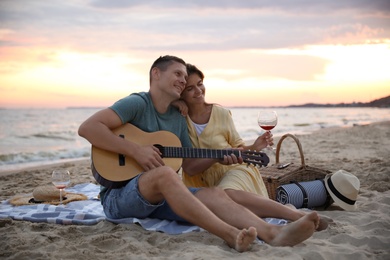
<point x="188" y="152"/>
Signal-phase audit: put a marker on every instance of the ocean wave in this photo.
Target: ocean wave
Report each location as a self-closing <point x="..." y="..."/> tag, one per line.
<point x="64" y="136"/>
<point x="43" y="156"/>
<point x="54" y="136"/>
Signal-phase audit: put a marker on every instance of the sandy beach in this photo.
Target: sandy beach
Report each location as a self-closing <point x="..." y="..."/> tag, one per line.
<point x="364" y="234"/>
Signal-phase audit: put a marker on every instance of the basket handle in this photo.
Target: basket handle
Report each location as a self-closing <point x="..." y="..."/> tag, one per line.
<point x="298" y="144"/>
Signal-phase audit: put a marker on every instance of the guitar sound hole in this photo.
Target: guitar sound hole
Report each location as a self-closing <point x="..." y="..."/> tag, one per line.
<point x="121" y="157"/>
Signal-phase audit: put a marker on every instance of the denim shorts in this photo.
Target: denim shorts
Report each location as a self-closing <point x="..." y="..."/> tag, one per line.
<point x="127" y="202"/>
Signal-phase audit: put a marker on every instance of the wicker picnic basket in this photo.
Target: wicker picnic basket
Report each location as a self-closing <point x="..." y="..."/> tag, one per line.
<point x="273" y="176"/>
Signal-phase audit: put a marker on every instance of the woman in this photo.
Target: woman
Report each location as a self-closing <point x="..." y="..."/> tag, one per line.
<point x="211" y="126"/>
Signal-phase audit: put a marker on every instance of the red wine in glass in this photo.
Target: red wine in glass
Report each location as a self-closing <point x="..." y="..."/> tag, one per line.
<point x="267" y="120"/>
<point x="267" y="127"/>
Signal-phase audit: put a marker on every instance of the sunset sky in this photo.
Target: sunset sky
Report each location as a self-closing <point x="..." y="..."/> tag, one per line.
<point x="253" y="53"/>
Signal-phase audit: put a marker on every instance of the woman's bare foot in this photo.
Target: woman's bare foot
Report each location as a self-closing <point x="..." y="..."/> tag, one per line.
<point x="324" y="223"/>
<point x="245" y="238"/>
<point x="295" y="232"/>
<point x="291" y="206"/>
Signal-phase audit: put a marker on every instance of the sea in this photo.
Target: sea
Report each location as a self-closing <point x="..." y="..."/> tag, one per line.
<point x="35" y="137"/>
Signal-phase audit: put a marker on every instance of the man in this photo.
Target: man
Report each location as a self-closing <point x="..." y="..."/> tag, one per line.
<point x="158" y="192"/>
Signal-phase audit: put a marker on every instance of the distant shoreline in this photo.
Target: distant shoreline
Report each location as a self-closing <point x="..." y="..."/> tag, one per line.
<point x="308" y="106"/>
<point x="379" y="103"/>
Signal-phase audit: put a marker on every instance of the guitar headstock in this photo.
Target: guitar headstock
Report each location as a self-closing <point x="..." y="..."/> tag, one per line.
<point x="255" y="158"/>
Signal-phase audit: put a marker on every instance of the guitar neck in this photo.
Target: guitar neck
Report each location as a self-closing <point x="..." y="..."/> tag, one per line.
<point x="188" y="152"/>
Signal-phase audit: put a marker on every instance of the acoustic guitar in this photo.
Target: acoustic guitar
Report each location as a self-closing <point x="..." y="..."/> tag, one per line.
<point x="114" y="170"/>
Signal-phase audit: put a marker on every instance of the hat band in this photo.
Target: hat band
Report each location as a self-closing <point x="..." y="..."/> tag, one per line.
<point x="338" y="194"/>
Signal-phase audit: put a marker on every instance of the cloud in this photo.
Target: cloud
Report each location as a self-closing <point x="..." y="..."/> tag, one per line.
<point x="382" y="6"/>
<point x="119" y="25"/>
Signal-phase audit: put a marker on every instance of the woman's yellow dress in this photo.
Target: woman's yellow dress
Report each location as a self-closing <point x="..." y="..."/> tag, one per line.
<point x="221" y="133"/>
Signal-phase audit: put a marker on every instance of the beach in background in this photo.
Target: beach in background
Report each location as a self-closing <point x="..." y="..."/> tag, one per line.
<point x="362" y="150"/>
<point x="35" y="137"/>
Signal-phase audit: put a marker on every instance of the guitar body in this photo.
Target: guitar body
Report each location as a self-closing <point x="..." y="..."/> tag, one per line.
<point x="113" y="170"/>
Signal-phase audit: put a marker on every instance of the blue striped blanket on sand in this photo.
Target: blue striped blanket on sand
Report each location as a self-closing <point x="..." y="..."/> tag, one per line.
<point x="90" y="212"/>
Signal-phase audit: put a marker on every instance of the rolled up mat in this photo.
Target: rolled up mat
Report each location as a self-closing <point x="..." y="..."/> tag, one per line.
<point x="307" y="194"/>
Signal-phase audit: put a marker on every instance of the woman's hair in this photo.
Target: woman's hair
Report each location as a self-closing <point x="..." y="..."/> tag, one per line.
<point x="192" y="69"/>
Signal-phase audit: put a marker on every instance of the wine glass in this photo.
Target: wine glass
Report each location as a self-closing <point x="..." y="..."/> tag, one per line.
<point x="267" y="120"/>
<point x="60" y="179"/>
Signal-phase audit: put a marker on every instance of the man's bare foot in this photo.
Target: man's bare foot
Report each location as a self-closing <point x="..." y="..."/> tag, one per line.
<point x="245" y="239"/>
<point x="295" y="232"/>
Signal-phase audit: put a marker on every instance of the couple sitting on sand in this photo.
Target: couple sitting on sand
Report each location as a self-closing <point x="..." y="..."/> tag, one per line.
<point x="233" y="211"/>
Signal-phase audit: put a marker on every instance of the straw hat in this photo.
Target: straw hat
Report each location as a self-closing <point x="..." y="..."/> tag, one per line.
<point x="343" y="187"/>
<point x="46" y="195"/>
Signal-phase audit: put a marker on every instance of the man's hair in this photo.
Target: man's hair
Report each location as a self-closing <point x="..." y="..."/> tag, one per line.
<point x="163" y="62"/>
<point x="192" y="69"/>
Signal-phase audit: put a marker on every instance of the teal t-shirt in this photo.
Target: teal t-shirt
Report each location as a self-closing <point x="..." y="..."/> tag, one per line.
<point x="139" y="110"/>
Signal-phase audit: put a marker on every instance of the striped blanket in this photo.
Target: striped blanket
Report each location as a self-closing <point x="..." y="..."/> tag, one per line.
<point x="90" y="212"/>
